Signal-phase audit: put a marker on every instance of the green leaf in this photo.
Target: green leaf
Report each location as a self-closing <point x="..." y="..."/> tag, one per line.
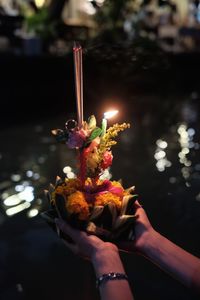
<point x="95" y="133"/>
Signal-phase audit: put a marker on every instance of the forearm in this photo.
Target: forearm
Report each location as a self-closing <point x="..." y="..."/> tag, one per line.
<point x="106" y="261"/>
<point x="174" y="260"/>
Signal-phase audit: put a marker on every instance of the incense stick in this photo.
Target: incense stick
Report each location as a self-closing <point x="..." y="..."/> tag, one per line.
<point x="78" y="71"/>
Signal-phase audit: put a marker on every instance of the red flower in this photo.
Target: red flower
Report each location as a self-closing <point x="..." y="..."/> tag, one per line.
<point x="107" y="160"/>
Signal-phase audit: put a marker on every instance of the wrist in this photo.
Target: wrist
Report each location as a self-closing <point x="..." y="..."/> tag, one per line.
<point x="150" y="241"/>
<point x="106" y="260"/>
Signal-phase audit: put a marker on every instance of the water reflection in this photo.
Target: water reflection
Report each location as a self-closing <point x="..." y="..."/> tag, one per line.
<point x="164" y="165"/>
<point x="160" y="156"/>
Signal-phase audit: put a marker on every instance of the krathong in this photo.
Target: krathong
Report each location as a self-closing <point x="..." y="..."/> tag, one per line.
<point x="89" y="202"/>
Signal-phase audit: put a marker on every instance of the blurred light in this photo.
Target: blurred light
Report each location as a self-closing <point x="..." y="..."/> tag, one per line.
<point x="29" y="173"/>
<point x="25" y="195"/>
<point x="70" y="175"/>
<point x="5" y="195"/>
<point x="14" y="210"/>
<point x="160" y="165"/>
<point x="67" y="169"/>
<point x="15" y="177"/>
<point x="25" y="183"/>
<point x="185" y="150"/>
<point x="181" y="155"/>
<point x="191" y="144"/>
<point x="185" y="140"/>
<point x="197" y="167"/>
<point x="188" y="163"/>
<point x="12" y="200"/>
<point x="19" y="287"/>
<point x="162" y="144"/>
<point x="191" y="132"/>
<point x="41" y="159"/>
<point x="19" y="188"/>
<point x="181" y="128"/>
<point x="39" y="201"/>
<point x="160" y="154"/>
<point x="36" y="176"/>
<point x="52" y="148"/>
<point x="32" y="213"/>
<point x="168" y="163"/>
<point x="172" y="180"/>
<point x="39" y="3"/>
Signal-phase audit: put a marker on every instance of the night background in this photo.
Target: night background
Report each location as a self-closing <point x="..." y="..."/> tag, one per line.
<point x="140" y="57"/>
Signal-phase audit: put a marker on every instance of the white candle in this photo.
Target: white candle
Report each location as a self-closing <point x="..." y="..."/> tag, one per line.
<point x="107" y="115"/>
<point x="104" y="125"/>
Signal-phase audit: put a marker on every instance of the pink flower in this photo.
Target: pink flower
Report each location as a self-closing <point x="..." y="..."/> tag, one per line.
<point x="77" y="138"/>
<point x="107" y="160"/>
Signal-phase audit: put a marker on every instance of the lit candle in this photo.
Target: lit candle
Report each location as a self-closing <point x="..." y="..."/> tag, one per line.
<point x="107" y="115"/>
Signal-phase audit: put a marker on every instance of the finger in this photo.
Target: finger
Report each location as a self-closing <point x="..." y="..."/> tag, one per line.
<point x="71" y="247"/>
<point x="137" y="204"/>
<point x="63" y="226"/>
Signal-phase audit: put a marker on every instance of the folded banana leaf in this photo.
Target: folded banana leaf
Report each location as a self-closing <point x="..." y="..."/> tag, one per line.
<point x="104" y="221"/>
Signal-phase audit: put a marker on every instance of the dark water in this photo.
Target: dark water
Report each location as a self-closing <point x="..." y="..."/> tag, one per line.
<point x="160" y="155"/>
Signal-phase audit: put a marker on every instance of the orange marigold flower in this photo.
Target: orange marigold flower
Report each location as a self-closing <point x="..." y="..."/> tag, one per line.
<point x="105" y="198"/>
<point x="59" y="190"/>
<point x="71" y="186"/>
<point x="76" y="204"/>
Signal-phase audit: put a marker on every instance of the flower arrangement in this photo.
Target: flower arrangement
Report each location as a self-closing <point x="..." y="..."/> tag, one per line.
<point x="98" y="206"/>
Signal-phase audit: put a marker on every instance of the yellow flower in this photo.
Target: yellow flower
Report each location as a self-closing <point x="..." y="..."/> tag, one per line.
<point x="76" y="204"/>
<point x="117" y="184"/>
<point x="93" y="160"/>
<point x="90" y="182"/>
<point x="105" y="198"/>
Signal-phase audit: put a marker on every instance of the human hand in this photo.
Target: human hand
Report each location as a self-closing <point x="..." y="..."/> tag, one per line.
<point x="87" y="246"/>
<point x="143" y="232"/>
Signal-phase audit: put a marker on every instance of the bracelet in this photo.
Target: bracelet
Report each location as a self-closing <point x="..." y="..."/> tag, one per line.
<point x="110" y="276"/>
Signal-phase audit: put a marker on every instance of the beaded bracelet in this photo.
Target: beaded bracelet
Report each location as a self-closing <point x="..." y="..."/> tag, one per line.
<point x="110" y="276"/>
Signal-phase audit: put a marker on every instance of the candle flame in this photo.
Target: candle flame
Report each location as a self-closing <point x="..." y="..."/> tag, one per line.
<point x="39" y="3"/>
<point x="110" y="114"/>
